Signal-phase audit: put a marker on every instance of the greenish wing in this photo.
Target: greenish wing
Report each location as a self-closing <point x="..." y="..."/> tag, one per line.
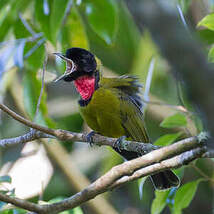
<point x="132" y="119"/>
<point x="127" y="84"/>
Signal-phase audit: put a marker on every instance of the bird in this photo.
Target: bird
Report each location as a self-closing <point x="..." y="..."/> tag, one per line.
<point x="111" y="106"/>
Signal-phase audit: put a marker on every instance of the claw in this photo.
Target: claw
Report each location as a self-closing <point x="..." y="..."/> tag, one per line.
<point x="89" y="138"/>
<point x="119" y="142"/>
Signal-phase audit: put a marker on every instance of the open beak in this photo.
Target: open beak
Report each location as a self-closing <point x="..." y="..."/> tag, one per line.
<point x="70" y="66"/>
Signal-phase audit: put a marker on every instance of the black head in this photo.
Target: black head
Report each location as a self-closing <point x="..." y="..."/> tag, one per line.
<point x="79" y="62"/>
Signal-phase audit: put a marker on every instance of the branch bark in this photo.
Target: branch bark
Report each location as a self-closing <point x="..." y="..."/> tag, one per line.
<point x="44" y="132"/>
<point x="168" y="157"/>
<point x="153" y="162"/>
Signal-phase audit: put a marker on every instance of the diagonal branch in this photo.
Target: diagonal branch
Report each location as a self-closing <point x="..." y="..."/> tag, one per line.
<point x="153" y="162"/>
<point x="45" y="132"/>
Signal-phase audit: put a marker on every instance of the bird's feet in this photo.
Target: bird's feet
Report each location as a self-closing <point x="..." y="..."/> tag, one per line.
<point x="119" y="142"/>
<point x="89" y="138"/>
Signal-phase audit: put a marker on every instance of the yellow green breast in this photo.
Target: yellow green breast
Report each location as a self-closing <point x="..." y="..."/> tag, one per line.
<point x="102" y="114"/>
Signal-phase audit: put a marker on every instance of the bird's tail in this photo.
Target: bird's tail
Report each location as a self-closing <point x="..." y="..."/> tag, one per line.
<point x="162" y="180"/>
<point x="165" y="180"/>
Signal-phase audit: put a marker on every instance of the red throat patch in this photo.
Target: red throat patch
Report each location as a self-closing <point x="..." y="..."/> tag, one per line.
<point x="85" y="85"/>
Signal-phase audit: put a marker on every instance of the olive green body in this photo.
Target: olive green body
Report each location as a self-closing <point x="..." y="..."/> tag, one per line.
<point x="102" y="114"/>
<point x="113" y="113"/>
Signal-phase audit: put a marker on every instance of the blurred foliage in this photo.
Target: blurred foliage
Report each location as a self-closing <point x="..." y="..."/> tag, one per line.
<point x="31" y="30"/>
<point x="176" y="120"/>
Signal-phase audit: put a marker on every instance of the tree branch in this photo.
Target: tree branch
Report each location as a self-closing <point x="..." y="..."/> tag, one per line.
<point x="44" y="132"/>
<point x="30" y="136"/>
<point x="168" y="157"/>
<point x="148" y="164"/>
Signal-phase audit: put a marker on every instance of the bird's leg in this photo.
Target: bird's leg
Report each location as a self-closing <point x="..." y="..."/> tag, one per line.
<point x="89" y="138"/>
<point x="119" y="142"/>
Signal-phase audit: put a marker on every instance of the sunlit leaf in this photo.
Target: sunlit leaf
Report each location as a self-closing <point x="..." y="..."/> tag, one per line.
<point x="176" y="120"/>
<point x="73" y="33"/>
<point x="5" y="26"/>
<point x="44" y="19"/>
<point x="208" y="22"/>
<point x="102" y="17"/>
<point x="57" y="15"/>
<point x="159" y="202"/>
<point x="167" y="139"/>
<point x="184" y="196"/>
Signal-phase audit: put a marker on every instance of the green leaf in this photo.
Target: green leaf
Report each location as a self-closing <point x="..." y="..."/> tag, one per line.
<point x="56" y="17"/>
<point x="20" y="30"/>
<point x="15" y="7"/>
<point x="159" y="202"/>
<point x="102" y="17"/>
<point x="13" y="211"/>
<point x="5" y="178"/>
<point x="184" y="196"/>
<point x="211" y="55"/>
<point x="167" y="139"/>
<point x="3" y="3"/>
<point x="36" y="59"/>
<point x="77" y="36"/>
<point x="185" y="4"/>
<point x="32" y="88"/>
<point x="176" y="120"/>
<point x="206" y="36"/>
<point x="43" y="17"/>
<point x="208" y="22"/>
